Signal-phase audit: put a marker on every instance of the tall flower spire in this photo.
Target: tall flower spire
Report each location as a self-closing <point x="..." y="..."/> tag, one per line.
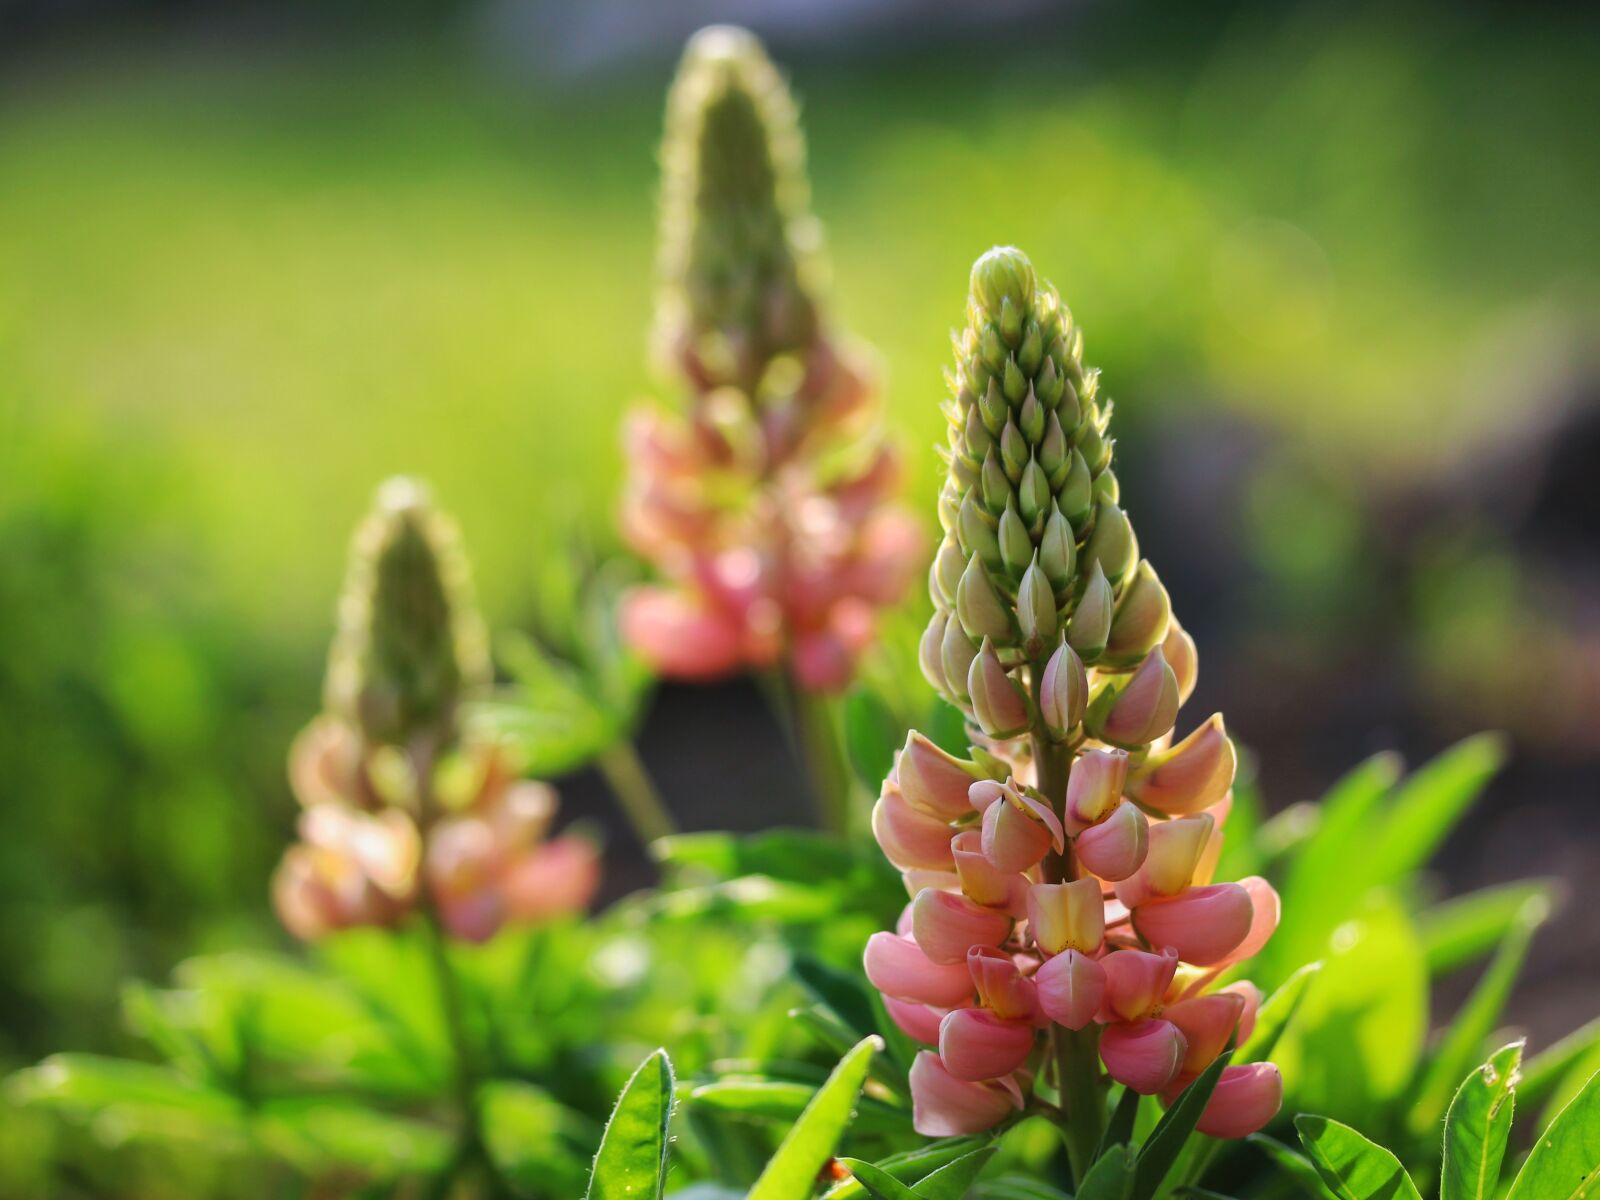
<point x="1067" y="864"/>
<point x="401" y="808"/>
<point x="763" y="501"/>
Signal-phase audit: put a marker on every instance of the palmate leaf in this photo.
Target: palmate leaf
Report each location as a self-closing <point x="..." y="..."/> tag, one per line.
<point x="1565" y="1162"/>
<point x="1463" y="1041"/>
<point x="1476" y="1127"/>
<point x="793" y="1170"/>
<point x="1353" y="1167"/>
<point x="631" y="1163"/>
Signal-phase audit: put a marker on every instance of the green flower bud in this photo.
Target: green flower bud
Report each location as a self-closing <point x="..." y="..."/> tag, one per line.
<point x="1014" y="383"/>
<point x="1106" y="488"/>
<point x="992" y="349"/>
<point x="930" y="652"/>
<point x="976" y="529"/>
<point x="1010" y="321"/>
<point x="1031" y="418"/>
<point x="979" y="441"/>
<point x="1036" y="610"/>
<point x="1002" y="272"/>
<point x="1141" y="619"/>
<point x="1134" y="713"/>
<point x="948" y="564"/>
<point x="993" y="409"/>
<point x="995" y="485"/>
<point x="1016" y="547"/>
<point x="1014" y="451"/>
<point x="1076" y="495"/>
<point x="998" y="703"/>
<point x="1068" y="407"/>
<point x="1091" y="620"/>
<point x="978" y="606"/>
<point x="1063" y="692"/>
<point x="956" y="653"/>
<point x="1049" y="383"/>
<point x="1112" y="545"/>
<point x="1179" y="650"/>
<point x="1053" y="454"/>
<point x="1033" y="493"/>
<point x="410" y="642"/>
<point x="1031" y="353"/>
<point x="1058" y="552"/>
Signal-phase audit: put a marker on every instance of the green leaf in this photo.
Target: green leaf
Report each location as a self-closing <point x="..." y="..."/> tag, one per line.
<point x="951" y="1181"/>
<point x="1353" y="1167"/>
<point x="318" y="1134"/>
<point x="782" y="1100"/>
<point x="879" y="1183"/>
<point x="1463" y="1042"/>
<point x="1545" y="1070"/>
<point x="1109" y="1178"/>
<point x="1462" y="930"/>
<point x="794" y="1168"/>
<point x="1426" y="807"/>
<point x="1119" y="1130"/>
<point x="872" y="734"/>
<point x="1565" y="1162"/>
<point x="1296" y="1166"/>
<point x="632" y="1159"/>
<point x="534" y="1140"/>
<point x="909" y="1166"/>
<point x="1275" y="1014"/>
<point x="129" y="1100"/>
<point x="1476" y="1127"/>
<point x="1017" y="1187"/>
<point x="1162" y="1147"/>
<point x="844" y="994"/>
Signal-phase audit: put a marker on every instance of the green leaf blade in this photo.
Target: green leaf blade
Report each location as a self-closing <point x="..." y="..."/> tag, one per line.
<point x="1353" y="1167"/>
<point x="1565" y="1163"/>
<point x="1476" y="1127"/>
<point x="631" y="1163"/>
<point x="792" y="1172"/>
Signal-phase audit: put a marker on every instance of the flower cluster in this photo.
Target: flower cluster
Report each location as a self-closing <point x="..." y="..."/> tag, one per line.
<point x="764" y="503"/>
<point x="1062" y="876"/>
<point x="401" y="809"/>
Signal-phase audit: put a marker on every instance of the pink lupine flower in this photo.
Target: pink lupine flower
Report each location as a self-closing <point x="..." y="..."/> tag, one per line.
<point x="933" y="781"/>
<point x="909" y="838"/>
<point x="944" y="1106"/>
<point x="1095" y="787"/>
<point x="919" y="1022"/>
<point x="1190" y="776"/>
<point x="1207" y="1022"/>
<point x="980" y="880"/>
<point x="1247" y="1096"/>
<point x="975" y="1044"/>
<point x="947" y="925"/>
<point x="553" y="880"/>
<point x="1144" y="1055"/>
<point x="681" y="636"/>
<point x="1173" y="854"/>
<point x="1264" y="910"/>
<point x="1136" y="983"/>
<point x="896" y="966"/>
<point x="1018" y="831"/>
<point x="1002" y="987"/>
<point x="1115" y="848"/>
<point x="1071" y="988"/>
<point x="1067" y="916"/>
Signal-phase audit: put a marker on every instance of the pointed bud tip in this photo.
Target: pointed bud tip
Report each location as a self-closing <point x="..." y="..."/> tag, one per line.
<point x="1001" y="273"/>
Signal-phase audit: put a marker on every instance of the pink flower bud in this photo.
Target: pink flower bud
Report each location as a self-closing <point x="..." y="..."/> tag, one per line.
<point x="946" y="925"/>
<point x="1181" y="656"/>
<point x="976" y="1044"/>
<point x="1094" y="787"/>
<point x="1206" y="869"/>
<point x="678" y="635"/>
<point x="985" y="792"/>
<point x="1002" y="987"/>
<point x="897" y="967"/>
<point x="1063" y="691"/>
<point x="929" y="655"/>
<point x="1071" y="988"/>
<point x="1189" y="777"/>
<point x="1019" y="831"/>
<point x="1169" y="863"/>
<point x="1145" y="1055"/>
<point x="473" y="916"/>
<point x="909" y="838"/>
<point x="981" y="880"/>
<point x="823" y="661"/>
<point x="998" y="702"/>
<point x="1136" y="983"/>
<point x="1202" y="925"/>
<point x="1264" y="911"/>
<point x="1144" y="709"/>
<point x="1246" y="1098"/>
<point x="944" y="1106"/>
<point x="1116" y="847"/>
<point x="1067" y="916"/>
<point x="1252" y="997"/>
<point x="1207" y="1022"/>
<point x="553" y="880"/>
<point x="919" y="877"/>
<point x="919" y="1022"/>
<point x="933" y="782"/>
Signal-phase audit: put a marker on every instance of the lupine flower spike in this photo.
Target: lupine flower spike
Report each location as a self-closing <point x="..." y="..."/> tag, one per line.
<point x="763" y="503"/>
<point x="401" y="808"/>
<point x="1066" y="864"/>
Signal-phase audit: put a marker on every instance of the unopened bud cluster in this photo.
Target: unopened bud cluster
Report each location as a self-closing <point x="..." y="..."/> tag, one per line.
<point x="399" y="809"/>
<point x="1061" y="877"/>
<point x="765" y="503"/>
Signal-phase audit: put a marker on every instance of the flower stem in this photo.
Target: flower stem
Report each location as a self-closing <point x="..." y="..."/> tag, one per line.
<point x="625" y="774"/>
<point x="823" y="749"/>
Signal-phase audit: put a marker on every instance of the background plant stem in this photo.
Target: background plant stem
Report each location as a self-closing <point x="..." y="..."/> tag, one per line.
<point x="636" y="793"/>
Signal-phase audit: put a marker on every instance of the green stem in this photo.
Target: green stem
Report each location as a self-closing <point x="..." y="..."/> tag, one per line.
<point x="823" y="750"/>
<point x="625" y="774"/>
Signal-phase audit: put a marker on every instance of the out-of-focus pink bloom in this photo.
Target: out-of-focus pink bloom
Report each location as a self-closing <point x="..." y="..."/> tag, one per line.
<point x="919" y="1022"/>
<point x="554" y="880"/>
<point x="1202" y="924"/>
<point x="932" y="781"/>
<point x="1115" y="847"/>
<point x="1144" y="1055"/>
<point x="1002" y="987"/>
<point x="1136" y="983"/>
<point x="897" y="966"/>
<point x="975" y="1043"/>
<point x="1245" y="1099"/>
<point x="909" y="839"/>
<point x="1071" y="988"/>
<point x="944" y="1106"/>
<point x="678" y="635"/>
<point x="947" y="925"/>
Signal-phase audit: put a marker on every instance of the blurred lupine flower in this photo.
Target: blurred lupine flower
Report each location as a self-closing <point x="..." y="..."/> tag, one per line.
<point x="400" y="808"/>
<point x="765" y="503"/>
<point x="1068" y="862"/>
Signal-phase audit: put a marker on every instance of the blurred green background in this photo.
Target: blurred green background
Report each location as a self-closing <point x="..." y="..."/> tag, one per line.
<point x="1339" y="263"/>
